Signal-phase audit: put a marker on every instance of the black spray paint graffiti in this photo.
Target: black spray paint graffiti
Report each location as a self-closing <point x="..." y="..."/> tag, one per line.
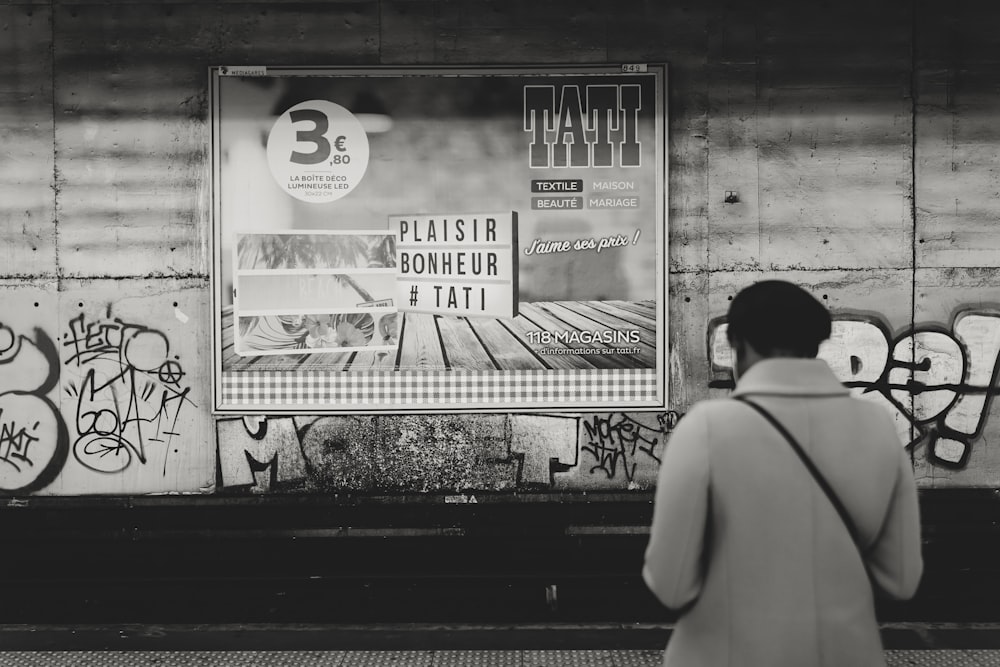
<point x="936" y="381"/>
<point x="34" y="442"/>
<point x="130" y="396"/>
<point x="261" y="454"/>
<point x="623" y="442"/>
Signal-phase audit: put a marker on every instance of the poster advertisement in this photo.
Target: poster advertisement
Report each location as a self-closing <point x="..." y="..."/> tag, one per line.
<point x="442" y="239"/>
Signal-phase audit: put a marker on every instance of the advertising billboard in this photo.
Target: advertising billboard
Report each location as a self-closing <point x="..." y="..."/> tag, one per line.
<point x="441" y="239"/>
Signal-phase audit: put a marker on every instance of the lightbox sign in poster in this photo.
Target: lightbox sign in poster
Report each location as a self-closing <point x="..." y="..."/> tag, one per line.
<point x="439" y="239"/>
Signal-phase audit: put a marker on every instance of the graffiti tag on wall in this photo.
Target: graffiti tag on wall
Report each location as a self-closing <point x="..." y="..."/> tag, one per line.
<point x="401" y="453"/>
<point x="497" y="452"/>
<point x="34" y="442"/>
<point x="621" y="445"/>
<point x="259" y="453"/>
<point x="129" y="390"/>
<point x="936" y="381"/>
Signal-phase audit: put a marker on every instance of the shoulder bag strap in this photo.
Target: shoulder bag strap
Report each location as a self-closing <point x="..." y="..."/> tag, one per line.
<point x="823" y="484"/>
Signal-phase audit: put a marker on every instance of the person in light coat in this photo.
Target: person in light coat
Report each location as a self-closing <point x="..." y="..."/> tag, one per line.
<point x="744" y="543"/>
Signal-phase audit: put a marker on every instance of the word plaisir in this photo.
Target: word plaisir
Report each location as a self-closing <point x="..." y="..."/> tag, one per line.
<point x="443" y="230"/>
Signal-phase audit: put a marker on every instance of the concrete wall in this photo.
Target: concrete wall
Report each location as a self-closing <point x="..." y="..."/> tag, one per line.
<point x="859" y="140"/>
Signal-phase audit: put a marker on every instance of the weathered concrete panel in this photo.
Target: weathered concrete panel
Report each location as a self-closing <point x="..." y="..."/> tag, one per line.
<point x="407" y="32"/>
<point x="957" y="320"/>
<point x="27" y="225"/>
<point x="443" y="454"/>
<point x="640" y="32"/>
<point x="957" y="76"/>
<point x="957" y="172"/>
<point x="956" y="33"/>
<point x="834" y="173"/>
<point x="805" y="176"/>
<point x="518" y="31"/>
<point x="688" y="375"/>
<point x="134" y="389"/>
<point x="734" y="210"/>
<point x="340" y="451"/>
<point x="810" y="138"/>
<point x="344" y="32"/>
<point x="131" y="139"/>
<point x="733" y="178"/>
<point x="846" y="44"/>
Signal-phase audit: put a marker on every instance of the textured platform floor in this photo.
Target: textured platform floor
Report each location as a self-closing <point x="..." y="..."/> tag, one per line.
<point x="563" y="658"/>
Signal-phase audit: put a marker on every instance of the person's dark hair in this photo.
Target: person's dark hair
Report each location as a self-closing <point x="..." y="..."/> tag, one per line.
<point x="774" y="315"/>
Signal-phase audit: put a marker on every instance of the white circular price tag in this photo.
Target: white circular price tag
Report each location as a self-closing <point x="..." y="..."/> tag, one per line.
<point x="317" y="151"/>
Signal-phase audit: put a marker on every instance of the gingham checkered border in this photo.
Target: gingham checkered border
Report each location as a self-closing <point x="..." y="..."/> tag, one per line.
<point x="446" y="390"/>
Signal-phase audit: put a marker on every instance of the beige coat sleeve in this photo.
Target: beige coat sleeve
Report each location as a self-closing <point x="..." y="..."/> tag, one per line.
<point x="894" y="558"/>
<point x="672" y="567"/>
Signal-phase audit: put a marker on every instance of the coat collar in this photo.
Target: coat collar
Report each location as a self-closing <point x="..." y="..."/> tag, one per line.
<point x="790" y="377"/>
